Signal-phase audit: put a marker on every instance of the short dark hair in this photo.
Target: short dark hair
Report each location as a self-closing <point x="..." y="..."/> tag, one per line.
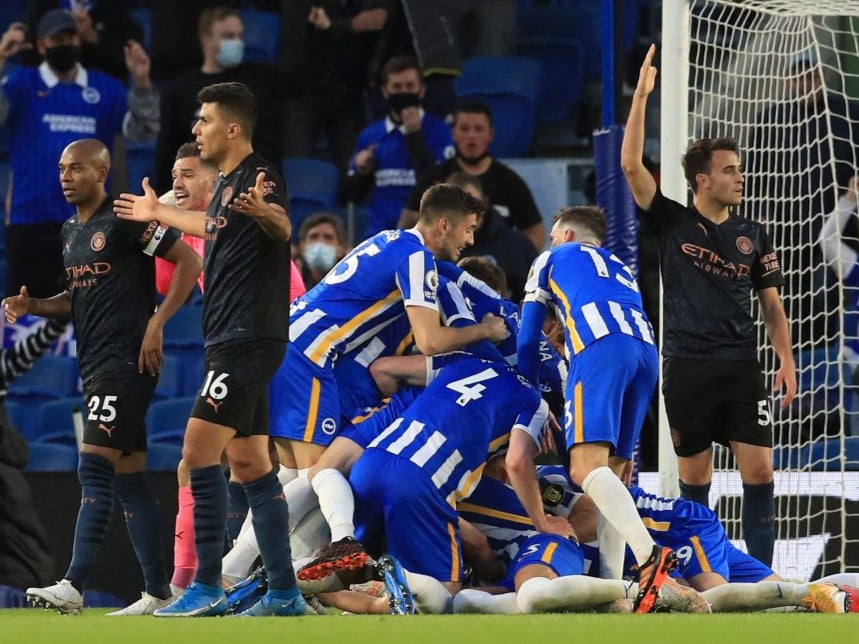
<point x="191" y="149"/>
<point x="210" y="16"/>
<point x="448" y="200"/>
<point x="235" y="100"/>
<point x="487" y="272"/>
<point x="472" y="106"/>
<point x="398" y="64"/>
<point x="323" y="218"/>
<point x="463" y="180"/>
<point x="699" y="156"/>
<point x="591" y="218"/>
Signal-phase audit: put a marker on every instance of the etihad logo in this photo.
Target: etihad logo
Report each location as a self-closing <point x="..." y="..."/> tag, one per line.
<point x="710" y="262"/>
<point x="86" y="275"/>
<point x="213" y="225"/>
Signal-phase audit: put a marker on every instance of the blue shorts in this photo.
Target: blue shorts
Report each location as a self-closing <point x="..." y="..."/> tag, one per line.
<point x="411" y="521"/>
<point x="562" y="556"/>
<point x="304" y="402"/>
<point x="743" y="568"/>
<point x="609" y="389"/>
<point x="702" y="548"/>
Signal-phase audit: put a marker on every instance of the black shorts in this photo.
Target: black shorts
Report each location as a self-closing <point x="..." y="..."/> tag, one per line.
<point x="117" y="401"/>
<point x="235" y="388"/>
<point x="718" y="401"/>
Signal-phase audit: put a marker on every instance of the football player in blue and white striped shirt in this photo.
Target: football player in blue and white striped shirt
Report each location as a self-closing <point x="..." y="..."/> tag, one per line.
<point x="612" y="375"/>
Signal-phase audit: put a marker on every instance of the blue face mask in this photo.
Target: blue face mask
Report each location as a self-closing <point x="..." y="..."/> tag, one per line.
<point x="320" y="256"/>
<point x="231" y="53"/>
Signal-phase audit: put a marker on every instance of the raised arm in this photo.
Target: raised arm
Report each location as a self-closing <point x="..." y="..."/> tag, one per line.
<point x="778" y="331"/>
<point x="431" y="338"/>
<point x="59" y="306"/>
<point x="640" y="181"/>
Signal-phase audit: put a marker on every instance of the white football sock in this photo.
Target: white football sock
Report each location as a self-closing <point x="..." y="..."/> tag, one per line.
<point x="286" y="474"/>
<point x="300" y="499"/>
<point x="431" y="597"/>
<point x="616" y="504"/>
<point x="309" y="535"/>
<point x="573" y="592"/>
<point x="842" y="579"/>
<point x="238" y="561"/>
<point x="612" y="548"/>
<point x="336" y="502"/>
<point x="471" y="600"/>
<point x="759" y="596"/>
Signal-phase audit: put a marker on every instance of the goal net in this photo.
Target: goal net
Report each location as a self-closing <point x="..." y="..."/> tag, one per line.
<point x="780" y="76"/>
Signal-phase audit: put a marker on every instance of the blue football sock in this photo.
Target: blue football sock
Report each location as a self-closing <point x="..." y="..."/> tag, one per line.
<point x="209" y="488"/>
<point x="95" y="473"/>
<point x="237" y="511"/>
<point x="759" y="521"/>
<point x="271" y="526"/>
<point x="142" y="521"/>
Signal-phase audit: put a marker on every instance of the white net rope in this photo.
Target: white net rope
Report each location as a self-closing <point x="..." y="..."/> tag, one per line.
<point x="780" y="77"/>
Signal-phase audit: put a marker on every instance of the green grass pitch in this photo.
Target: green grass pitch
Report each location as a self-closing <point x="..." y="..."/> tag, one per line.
<point x="31" y="626"/>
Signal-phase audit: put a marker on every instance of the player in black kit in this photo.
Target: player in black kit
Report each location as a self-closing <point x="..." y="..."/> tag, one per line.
<point x="110" y="295"/>
<point x="711" y="260"/>
<point x="245" y="320"/>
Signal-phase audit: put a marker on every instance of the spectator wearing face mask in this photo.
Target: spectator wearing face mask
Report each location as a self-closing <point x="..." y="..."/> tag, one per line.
<point x="321" y="244"/>
<point x="393" y="151"/>
<point x="221" y="33"/>
<point x="46" y="108"/>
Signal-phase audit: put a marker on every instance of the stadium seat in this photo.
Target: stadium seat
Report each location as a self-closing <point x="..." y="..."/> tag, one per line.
<point x="50" y="457"/>
<point x="562" y="75"/>
<point x="163" y="457"/>
<point x="313" y="186"/>
<point x="166" y="420"/>
<point x="101" y="599"/>
<point x="170" y="379"/>
<point x="579" y="22"/>
<point x="185" y="328"/>
<point x="140" y="162"/>
<point x="11" y="597"/>
<point x="262" y="35"/>
<point x="56" y="424"/>
<point x="50" y="377"/>
<point x="190" y="361"/>
<point x="510" y="86"/>
<point x="827" y="454"/>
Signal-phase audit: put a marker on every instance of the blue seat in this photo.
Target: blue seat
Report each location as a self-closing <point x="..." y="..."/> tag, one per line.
<point x="163" y="457"/>
<point x="510" y="86"/>
<point x="11" y="597"/>
<point x="166" y="419"/>
<point x="170" y="380"/>
<point x="313" y="186"/>
<point x="579" y="21"/>
<point x="143" y="17"/>
<point x="829" y="454"/>
<point x="101" y="599"/>
<point x="49" y="378"/>
<point x="262" y="35"/>
<point x="190" y="360"/>
<point x="139" y="162"/>
<point x="51" y="457"/>
<point x="185" y="328"/>
<point x="562" y="75"/>
<point x="56" y="424"/>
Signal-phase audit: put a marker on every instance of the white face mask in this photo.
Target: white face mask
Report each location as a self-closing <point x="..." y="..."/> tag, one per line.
<point x="320" y="256"/>
<point x="231" y="53"/>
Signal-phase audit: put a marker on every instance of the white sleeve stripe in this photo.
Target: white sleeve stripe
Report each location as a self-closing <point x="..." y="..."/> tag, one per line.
<point x="539" y="295"/>
<point x="417" y="272"/>
<point x="423" y="303"/>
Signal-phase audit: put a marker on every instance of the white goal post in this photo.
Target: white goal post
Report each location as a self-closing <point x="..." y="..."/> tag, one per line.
<point x="746" y="69"/>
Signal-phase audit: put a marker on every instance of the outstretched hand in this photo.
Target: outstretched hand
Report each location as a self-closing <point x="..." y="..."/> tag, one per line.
<point x="647" y="74"/>
<point x="785" y="379"/>
<point x="17" y="305"/>
<point x="136" y="207"/>
<point x="251" y="203"/>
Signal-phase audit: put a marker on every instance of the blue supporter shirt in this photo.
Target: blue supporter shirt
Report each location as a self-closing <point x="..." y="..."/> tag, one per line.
<point x="394" y="174"/>
<point x="593" y="293"/>
<point x="46" y="115"/>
